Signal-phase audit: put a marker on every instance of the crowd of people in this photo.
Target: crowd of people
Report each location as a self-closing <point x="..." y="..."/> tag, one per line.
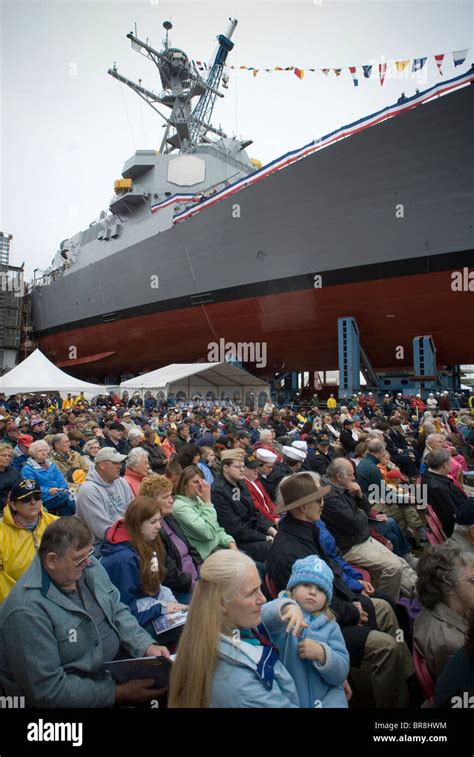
<point x="296" y="541"/>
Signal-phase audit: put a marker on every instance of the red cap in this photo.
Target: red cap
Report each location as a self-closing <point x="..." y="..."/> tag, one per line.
<point x="25" y="440"/>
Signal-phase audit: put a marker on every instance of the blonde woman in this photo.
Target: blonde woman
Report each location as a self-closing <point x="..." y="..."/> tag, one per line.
<point x="221" y="661"/>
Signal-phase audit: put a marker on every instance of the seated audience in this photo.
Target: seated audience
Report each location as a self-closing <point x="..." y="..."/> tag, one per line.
<point x="104" y="496"/>
<point x="135" y="559"/>
<point x="446" y="591"/>
<point x="9" y="474"/>
<point x="55" y="494"/>
<point x="195" y="513"/>
<point x="61" y="621"/>
<point x="21" y="530"/>
<point x="221" y="660"/>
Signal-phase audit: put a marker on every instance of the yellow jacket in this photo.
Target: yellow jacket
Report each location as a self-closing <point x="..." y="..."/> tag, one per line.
<point x="331" y="403"/>
<point x="68" y="405"/>
<point x="18" y="546"/>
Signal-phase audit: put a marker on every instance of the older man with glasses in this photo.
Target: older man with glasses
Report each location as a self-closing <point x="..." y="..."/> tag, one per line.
<point x="253" y="533"/>
<point x="62" y="622"/>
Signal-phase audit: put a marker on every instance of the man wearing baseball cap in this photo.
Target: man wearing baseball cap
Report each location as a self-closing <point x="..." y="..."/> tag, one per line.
<point x="236" y="514"/>
<point x="369" y="626"/>
<point x="322" y="456"/>
<point x="20" y="453"/>
<point x="104" y="496"/>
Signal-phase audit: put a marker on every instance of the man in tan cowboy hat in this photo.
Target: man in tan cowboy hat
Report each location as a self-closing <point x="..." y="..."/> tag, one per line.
<point x="369" y="626"/>
<point x="236" y="513"/>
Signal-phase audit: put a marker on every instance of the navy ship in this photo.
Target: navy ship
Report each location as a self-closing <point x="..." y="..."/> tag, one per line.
<point x="202" y="245"/>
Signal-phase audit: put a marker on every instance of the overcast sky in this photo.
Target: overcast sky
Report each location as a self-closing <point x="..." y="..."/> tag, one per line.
<point x="67" y="127"/>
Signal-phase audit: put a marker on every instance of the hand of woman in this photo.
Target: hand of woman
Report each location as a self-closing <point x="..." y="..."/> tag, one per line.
<point x="233" y="545"/>
<point x="175" y="607"/>
<point x="205" y="492"/>
<point x="292" y="615"/>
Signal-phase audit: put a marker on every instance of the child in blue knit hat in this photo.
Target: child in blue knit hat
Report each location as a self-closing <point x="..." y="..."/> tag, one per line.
<point x="318" y="660"/>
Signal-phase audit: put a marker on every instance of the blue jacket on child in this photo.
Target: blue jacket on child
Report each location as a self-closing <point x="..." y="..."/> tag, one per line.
<point x="317" y="685"/>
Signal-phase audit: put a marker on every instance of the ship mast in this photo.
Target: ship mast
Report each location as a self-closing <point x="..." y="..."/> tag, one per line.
<point x="185" y="128"/>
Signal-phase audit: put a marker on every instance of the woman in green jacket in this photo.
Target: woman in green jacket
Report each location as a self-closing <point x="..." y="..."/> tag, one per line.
<point x="196" y="514"/>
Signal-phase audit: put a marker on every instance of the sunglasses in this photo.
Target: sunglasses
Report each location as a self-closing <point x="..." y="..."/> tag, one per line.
<point x="30" y="498"/>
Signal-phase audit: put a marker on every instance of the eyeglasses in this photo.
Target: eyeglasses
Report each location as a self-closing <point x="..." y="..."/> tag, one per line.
<point x="27" y="500"/>
<point x="239" y="467"/>
<point x="79" y="563"/>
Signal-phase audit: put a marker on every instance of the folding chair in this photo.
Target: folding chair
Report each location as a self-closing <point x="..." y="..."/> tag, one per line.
<point x="270" y="587"/>
<point x="436" y="521"/>
<point x="424" y="676"/>
<point x="434" y="531"/>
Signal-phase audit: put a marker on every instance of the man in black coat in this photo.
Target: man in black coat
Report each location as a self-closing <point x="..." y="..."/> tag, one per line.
<point x="346" y="439"/>
<point x="252" y="532"/>
<point x="321" y="457"/>
<point x="442" y="493"/>
<point x="369" y="626"/>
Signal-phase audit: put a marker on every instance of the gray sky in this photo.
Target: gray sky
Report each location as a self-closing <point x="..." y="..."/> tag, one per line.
<point x="67" y="127"/>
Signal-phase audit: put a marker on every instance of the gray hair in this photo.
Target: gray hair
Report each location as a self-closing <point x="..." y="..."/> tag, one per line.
<point x="265" y="433"/>
<point x="135" y="456"/>
<point x="460" y="529"/>
<point x="376" y="433"/>
<point x="374" y="446"/>
<point x="437" y="457"/>
<point x="33" y="448"/>
<point x="438" y="572"/>
<point x="433" y="437"/>
<point x="336" y="467"/>
<point x="56" y="438"/>
<point x="89" y="444"/>
<point x="62" y="534"/>
<point x="135" y="433"/>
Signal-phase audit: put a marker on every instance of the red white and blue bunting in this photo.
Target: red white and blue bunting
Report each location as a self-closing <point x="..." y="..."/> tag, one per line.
<point x="207" y="199"/>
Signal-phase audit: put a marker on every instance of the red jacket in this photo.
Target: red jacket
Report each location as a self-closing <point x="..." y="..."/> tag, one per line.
<point x="261" y="500"/>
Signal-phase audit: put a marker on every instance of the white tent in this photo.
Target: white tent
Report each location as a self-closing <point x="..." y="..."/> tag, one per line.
<point x="38" y="374"/>
<point x="186" y="380"/>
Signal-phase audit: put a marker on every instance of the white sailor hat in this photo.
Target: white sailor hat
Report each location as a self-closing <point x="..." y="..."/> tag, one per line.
<point x="294" y="454"/>
<point x="265" y="456"/>
<point x="300" y="445"/>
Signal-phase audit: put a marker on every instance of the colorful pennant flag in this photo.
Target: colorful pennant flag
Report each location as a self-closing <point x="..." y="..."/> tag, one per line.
<point x="367" y="71"/>
<point x="255" y="72"/>
<point x="299" y="72"/>
<point x="382" y="72"/>
<point x="325" y="71"/>
<point x="353" y="71"/>
<point x="401" y="64"/>
<point x="439" y="60"/>
<point x="459" y="57"/>
<point x="337" y="71"/>
<point x="418" y="64"/>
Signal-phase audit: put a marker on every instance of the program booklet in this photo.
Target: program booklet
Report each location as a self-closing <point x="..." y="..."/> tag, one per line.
<point x="169" y="621"/>
<point x="158" y="668"/>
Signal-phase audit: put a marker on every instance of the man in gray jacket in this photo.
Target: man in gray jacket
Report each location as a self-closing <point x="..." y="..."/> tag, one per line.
<point x="104" y="496"/>
<point x="62" y="620"/>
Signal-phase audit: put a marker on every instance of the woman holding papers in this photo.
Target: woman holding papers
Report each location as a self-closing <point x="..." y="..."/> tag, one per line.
<point x="134" y="557"/>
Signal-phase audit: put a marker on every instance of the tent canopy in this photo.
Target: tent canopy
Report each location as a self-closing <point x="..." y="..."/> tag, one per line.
<point x="215" y="377"/>
<point x="38" y="374"/>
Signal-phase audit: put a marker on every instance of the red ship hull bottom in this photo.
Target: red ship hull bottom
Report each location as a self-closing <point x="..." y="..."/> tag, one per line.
<point x="299" y="329"/>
